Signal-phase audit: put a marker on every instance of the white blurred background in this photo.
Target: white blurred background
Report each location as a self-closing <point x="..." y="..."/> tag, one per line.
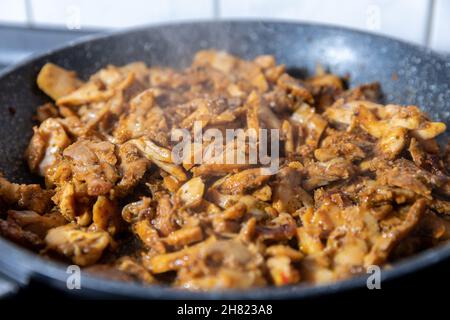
<point x="425" y="22"/>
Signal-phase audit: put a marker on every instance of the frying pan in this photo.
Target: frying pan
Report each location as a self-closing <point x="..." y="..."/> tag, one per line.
<point x="409" y="75"/>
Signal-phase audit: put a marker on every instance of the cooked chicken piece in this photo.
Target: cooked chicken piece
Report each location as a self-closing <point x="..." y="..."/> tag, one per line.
<point x="66" y="201"/>
<point x="165" y="216"/>
<point x="429" y="130"/>
<point x="367" y="119"/>
<point x="322" y="173"/>
<point x="393" y="143"/>
<point x="370" y="92"/>
<point x="223" y="264"/>
<point x="425" y="158"/>
<point x="313" y="124"/>
<point x="390" y="237"/>
<point x="274" y="73"/>
<point x="135" y="211"/>
<point x="160" y="156"/>
<point x="207" y="111"/>
<point x="236" y="211"/>
<point x="431" y="226"/>
<point x="229" y="219"/>
<point x="89" y="92"/>
<point x="191" y="193"/>
<point x="391" y="124"/>
<point x="109" y="76"/>
<point x="295" y="87"/>
<point x="151" y="150"/>
<point x="404" y="174"/>
<point x="95" y="117"/>
<point x="171" y="183"/>
<point x="149" y="235"/>
<point x="143" y="101"/>
<point x="46" y="146"/>
<point x="348" y="113"/>
<point x="184" y="236"/>
<point x="138" y="68"/>
<point x="12" y="231"/>
<point x="340" y="113"/>
<point x="131" y="267"/>
<point x="268" y="117"/>
<point x="410" y="117"/>
<point x="285" y="251"/>
<point x="46" y="111"/>
<point x="253" y="106"/>
<point x="244" y="181"/>
<point x="25" y="196"/>
<point x="309" y="239"/>
<point x="223" y="279"/>
<point x="288" y="194"/>
<point x="326" y="80"/>
<point x="93" y="163"/>
<point x="315" y="269"/>
<point x="172" y="169"/>
<point x="325" y="87"/>
<point x="248" y="230"/>
<point x="36" y="223"/>
<point x="82" y="247"/>
<point x="217" y="169"/>
<point x="287" y="134"/>
<point x="263" y="194"/>
<point x="265" y="61"/>
<point x="112" y="76"/>
<point x="282" y="227"/>
<point x="132" y="167"/>
<point x="441" y="206"/>
<point x="372" y="194"/>
<point x="350" y="255"/>
<point x="92" y="92"/>
<point x="392" y="134"/>
<point x="233" y="158"/>
<point x="220" y="199"/>
<point x="106" y="216"/>
<point x="232" y="254"/>
<point x="57" y="82"/>
<point x="175" y="260"/>
<point x="351" y="146"/>
<point x="281" y="271"/>
<point x="253" y="74"/>
<point x="146" y="119"/>
<point x="217" y="59"/>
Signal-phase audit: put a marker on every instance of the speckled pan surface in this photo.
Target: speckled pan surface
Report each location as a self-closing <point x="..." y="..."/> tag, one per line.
<point x="408" y="74"/>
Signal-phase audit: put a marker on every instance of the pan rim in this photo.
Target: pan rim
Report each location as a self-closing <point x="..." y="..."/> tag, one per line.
<point x="54" y="272"/>
<point x="115" y="33"/>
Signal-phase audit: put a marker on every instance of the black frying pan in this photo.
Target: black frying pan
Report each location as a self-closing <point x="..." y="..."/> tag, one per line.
<point x="409" y="75"/>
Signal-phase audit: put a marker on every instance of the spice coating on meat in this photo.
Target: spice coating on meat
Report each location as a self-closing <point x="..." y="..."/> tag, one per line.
<point x="358" y="183"/>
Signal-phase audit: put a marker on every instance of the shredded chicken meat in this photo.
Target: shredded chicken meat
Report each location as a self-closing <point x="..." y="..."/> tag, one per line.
<point x="358" y="183"/>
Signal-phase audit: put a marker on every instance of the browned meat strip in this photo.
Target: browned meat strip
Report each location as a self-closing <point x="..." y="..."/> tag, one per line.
<point x="161" y="176"/>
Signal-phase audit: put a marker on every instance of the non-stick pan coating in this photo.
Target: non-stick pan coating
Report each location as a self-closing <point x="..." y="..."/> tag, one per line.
<point x="408" y="75"/>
